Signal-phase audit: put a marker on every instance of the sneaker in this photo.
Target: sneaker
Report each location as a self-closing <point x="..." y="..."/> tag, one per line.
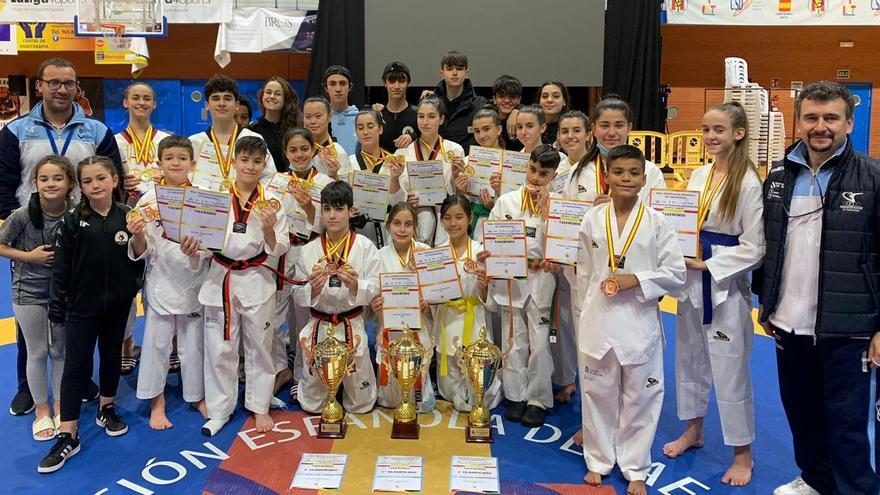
<point x="111" y="421"/>
<point x="796" y="487"/>
<point x="65" y="447"/>
<point x="515" y="411"/>
<point x="21" y="404"/>
<point x="534" y="416"/>
<point x="92" y="392"/>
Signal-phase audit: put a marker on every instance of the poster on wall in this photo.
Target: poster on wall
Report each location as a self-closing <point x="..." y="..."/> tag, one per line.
<point x="198" y="12"/>
<point x="774" y="12"/>
<point x="36" y="11"/>
<point x="49" y="36"/>
<point x="256" y="30"/>
<point x="11" y="106"/>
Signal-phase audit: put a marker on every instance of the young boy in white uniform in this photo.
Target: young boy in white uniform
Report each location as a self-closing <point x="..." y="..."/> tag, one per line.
<point x="343" y="270"/>
<point x="620" y="343"/>
<point x="239" y="295"/>
<point x="171" y="294"/>
<point x="525" y="304"/>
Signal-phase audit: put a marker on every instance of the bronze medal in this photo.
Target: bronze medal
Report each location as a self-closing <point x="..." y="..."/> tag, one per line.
<point x="274" y="205"/>
<point x="331" y="268"/>
<point x="610" y="287"/>
<point x="470" y="266"/>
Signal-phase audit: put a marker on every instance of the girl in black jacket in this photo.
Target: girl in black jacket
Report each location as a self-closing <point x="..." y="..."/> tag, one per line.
<point x="93" y="284"/>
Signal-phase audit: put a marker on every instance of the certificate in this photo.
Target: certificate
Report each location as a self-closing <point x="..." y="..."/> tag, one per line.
<point x="557" y="185"/>
<point x="438" y="275"/>
<point x="297" y="219"/>
<point x="513" y="170"/>
<point x="400" y="306"/>
<point x="483" y="162"/>
<point x="204" y="216"/>
<point x="207" y="174"/>
<point x="680" y="209"/>
<point x="474" y="474"/>
<point x="371" y="193"/>
<point x="320" y="471"/>
<point x="397" y="473"/>
<point x="562" y="240"/>
<point x="427" y="180"/>
<point x="170" y="202"/>
<point x="506" y="242"/>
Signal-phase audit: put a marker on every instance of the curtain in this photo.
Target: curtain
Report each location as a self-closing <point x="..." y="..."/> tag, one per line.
<point x="632" y="59"/>
<point x="339" y="40"/>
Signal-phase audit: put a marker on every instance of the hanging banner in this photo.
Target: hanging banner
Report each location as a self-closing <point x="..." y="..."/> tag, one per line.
<point x="38" y="11"/>
<point x="123" y="51"/>
<point x="198" y="11"/>
<point x="774" y="12"/>
<point x="8" y="39"/>
<point x="47" y="36"/>
<point x="255" y="30"/>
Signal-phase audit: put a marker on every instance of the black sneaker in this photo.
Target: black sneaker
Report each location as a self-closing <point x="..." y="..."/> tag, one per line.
<point x="92" y="393"/>
<point x="21" y="404"/>
<point x="111" y="421"/>
<point x="515" y="411"/>
<point x="534" y="416"/>
<point x="65" y="447"/>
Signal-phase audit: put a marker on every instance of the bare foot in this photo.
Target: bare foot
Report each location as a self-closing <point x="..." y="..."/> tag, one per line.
<point x="636" y="487"/>
<point x="158" y="420"/>
<point x="202" y="407"/>
<point x="594" y="479"/>
<point x="565" y="393"/>
<point x="578" y="438"/>
<point x="264" y="422"/>
<point x="691" y="438"/>
<point x="740" y="472"/>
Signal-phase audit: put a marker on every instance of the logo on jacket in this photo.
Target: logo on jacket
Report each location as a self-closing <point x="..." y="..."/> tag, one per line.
<point x="544" y="321"/>
<point x="719" y="335"/>
<point x="595" y="246"/>
<point x="651" y="382"/>
<point x="581" y="189"/>
<point x="775" y="190"/>
<point x="121" y="238"/>
<point x="194" y="316"/>
<point x="851" y="201"/>
<point x="508" y="217"/>
<point x="83" y="133"/>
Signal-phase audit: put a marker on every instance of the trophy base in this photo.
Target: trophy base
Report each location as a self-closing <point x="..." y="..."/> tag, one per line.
<point x="332" y="429"/>
<point x="406" y="431"/>
<point x="479" y="434"/>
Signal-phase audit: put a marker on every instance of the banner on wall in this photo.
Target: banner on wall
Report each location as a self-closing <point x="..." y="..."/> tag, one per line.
<point x="177" y="11"/>
<point x="8" y="39"/>
<point x="123" y="51"/>
<point x="256" y="30"/>
<point x="774" y="12"/>
<point x="48" y="36"/>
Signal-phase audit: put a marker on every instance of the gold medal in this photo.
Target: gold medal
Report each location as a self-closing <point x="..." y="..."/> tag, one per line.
<point x="469" y="171"/>
<point x="450" y="155"/>
<point x="260" y="204"/>
<point x="470" y="266"/>
<point x="132" y="214"/>
<point x="610" y="287"/>
<point x="227" y="185"/>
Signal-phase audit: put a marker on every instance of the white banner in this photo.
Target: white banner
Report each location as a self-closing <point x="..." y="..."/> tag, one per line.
<point x="198" y="11"/>
<point x="774" y="12"/>
<point x="256" y="30"/>
<point x="177" y="11"/>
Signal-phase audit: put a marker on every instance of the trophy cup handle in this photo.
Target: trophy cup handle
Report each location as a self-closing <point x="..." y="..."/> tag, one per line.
<point x="307" y="351"/>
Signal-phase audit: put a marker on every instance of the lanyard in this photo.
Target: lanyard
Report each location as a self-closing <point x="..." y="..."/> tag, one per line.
<point x="629" y="240"/>
<point x="249" y="203"/>
<point x="54" y="144"/>
<point x="455" y="255"/>
<point x="338" y="250"/>
<point x="144" y="150"/>
<point x="436" y="150"/>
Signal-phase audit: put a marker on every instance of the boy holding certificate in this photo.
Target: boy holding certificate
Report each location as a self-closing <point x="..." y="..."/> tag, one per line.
<point x="239" y="294"/>
<point x="215" y="146"/>
<point x="525" y="304"/>
<point x="629" y="258"/>
<point x="343" y="270"/>
<point x="171" y="292"/>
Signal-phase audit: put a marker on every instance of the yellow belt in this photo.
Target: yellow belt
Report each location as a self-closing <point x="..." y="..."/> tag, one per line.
<point x="464" y="305"/>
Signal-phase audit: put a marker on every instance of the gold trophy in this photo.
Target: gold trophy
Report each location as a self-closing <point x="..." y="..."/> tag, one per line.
<point x="480" y="361"/>
<point x="406" y="358"/>
<point x="332" y="360"/>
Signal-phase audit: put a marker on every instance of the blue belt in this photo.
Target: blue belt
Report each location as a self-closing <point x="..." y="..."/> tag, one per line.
<point x="707" y="239"/>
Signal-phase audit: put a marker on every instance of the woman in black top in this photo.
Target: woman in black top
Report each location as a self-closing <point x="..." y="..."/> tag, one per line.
<point x="280" y="107"/>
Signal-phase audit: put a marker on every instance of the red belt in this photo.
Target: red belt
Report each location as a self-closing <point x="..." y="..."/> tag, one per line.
<point x="334" y="319"/>
<point x="239" y="265"/>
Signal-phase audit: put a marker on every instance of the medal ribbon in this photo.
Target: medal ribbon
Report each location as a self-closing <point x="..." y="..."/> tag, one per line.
<point x="601" y="182"/>
<point x="249" y="202"/>
<point x="375" y="162"/>
<point x="328" y="146"/>
<point x="335" y="250"/>
<point x="527" y="202"/>
<point x="144" y="149"/>
<point x="707" y="197"/>
<point x="404" y="262"/>
<point x="225" y="161"/>
<point x="309" y="179"/>
<point x="435" y="150"/>
<point x="629" y="240"/>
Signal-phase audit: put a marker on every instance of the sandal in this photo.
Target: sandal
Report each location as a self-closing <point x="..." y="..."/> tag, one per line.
<point x="174" y="363"/>
<point x="43" y="424"/>
<point x="128" y="365"/>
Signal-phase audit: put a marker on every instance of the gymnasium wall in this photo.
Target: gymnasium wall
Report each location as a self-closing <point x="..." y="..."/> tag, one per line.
<point x="693" y="59"/>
